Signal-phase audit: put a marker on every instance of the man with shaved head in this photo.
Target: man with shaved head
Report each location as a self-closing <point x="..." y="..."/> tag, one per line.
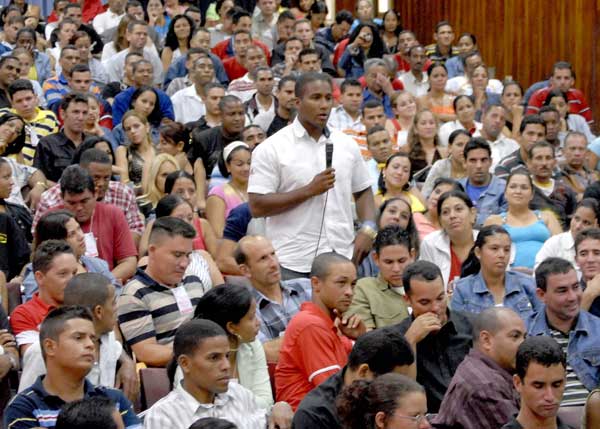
<point x="481" y="393"/>
<point x="276" y="301"/>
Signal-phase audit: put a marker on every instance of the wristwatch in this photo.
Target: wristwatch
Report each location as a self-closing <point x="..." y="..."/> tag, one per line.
<point x="369" y="228"/>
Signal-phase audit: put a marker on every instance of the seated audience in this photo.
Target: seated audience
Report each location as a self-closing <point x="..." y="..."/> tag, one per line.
<point x="174" y="140"/>
<point x="404" y="105"/>
<point x="149" y="312"/>
<point x="92" y="413"/>
<point x="93" y="126"/>
<point x="449" y="247"/>
<point x="528" y="229"/>
<point x="381" y="148"/>
<point x="311" y="349"/>
<point x="153" y="185"/>
<point x="437" y="100"/>
<point x="540" y="364"/>
<point x="439" y="337"/>
<point x="177" y="40"/>
<point x="379" y="87"/>
<point x="481" y="393"/>
<point x="379" y="301"/>
<point x="512" y="101"/>
<point x="188" y="102"/>
<point x="464" y="106"/>
<point x="276" y="301"/>
<point x="575" y="172"/>
<point x="144" y="102"/>
<point x="565" y="321"/>
<point x="111" y="192"/>
<point x="384" y="402"/>
<point x="493" y="120"/>
<point x="223" y="198"/>
<point x="429" y="222"/>
<point x="94" y="292"/>
<point x="568" y="121"/>
<point x="284" y="112"/>
<point x="485" y="281"/>
<point x="207" y="389"/>
<point x="347" y="115"/>
<point x="453" y="166"/>
<point x="562" y="245"/>
<point x="253" y="135"/>
<point x="485" y="190"/>
<point x="364" y="43"/>
<point x="466" y="44"/>
<point x="234" y="309"/>
<point x="375" y="353"/>
<point x="62" y="225"/>
<point x="423" y="146"/>
<point x="415" y="81"/>
<point x="395" y="182"/>
<point x="53" y="265"/>
<point x="69" y="345"/>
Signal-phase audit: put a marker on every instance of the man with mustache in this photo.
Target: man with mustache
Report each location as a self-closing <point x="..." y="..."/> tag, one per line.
<point x="540" y="380"/>
<point x="549" y="193"/>
<point x="574" y="329"/>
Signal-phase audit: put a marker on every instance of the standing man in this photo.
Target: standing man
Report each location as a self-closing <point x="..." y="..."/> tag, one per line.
<point x="575" y="330"/>
<point x="493" y="120"/>
<point x="540" y="380"/>
<point x="289" y="178"/>
<point x="439" y="337"/>
<point x="485" y="190"/>
<point x="442" y="49"/>
<point x="481" y="393"/>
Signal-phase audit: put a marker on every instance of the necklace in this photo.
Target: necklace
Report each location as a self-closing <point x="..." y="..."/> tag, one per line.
<point x="241" y="194"/>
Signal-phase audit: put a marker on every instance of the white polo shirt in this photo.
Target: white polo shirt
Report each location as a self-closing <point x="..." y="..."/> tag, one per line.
<point x="501" y="148"/>
<point x="413" y="86"/>
<point x="289" y="160"/>
<point x="187" y="105"/>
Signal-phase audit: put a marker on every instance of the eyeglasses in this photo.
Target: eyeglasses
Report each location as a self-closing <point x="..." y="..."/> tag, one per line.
<point x="416" y="419"/>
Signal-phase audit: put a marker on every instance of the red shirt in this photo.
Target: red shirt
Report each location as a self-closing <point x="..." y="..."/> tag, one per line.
<point x="224" y="49"/>
<point x="455" y="265"/>
<point x="28" y="317"/>
<point x="91" y="8"/>
<point x="312" y="350"/>
<point x="234" y="69"/>
<point x="577" y="103"/>
<point x="396" y="83"/>
<point x="111" y="231"/>
<point x="404" y="66"/>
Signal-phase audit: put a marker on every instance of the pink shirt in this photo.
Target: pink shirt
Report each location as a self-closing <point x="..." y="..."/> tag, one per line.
<point x="228" y="194"/>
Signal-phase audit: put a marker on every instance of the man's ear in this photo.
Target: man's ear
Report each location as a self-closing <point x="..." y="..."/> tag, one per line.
<point x="541" y="294"/>
<point x="98" y="312"/>
<point x="517" y="383"/>
<point x="184" y="362"/>
<point x="315" y="284"/>
<point x="245" y="270"/>
<point x="364" y="372"/>
<point x="49" y="346"/>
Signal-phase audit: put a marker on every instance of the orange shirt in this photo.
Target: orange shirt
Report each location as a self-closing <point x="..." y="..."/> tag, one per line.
<point x="312" y="350"/>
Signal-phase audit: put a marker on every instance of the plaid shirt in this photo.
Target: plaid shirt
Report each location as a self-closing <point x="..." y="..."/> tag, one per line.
<point x="117" y="194"/>
<point x="274" y="317"/>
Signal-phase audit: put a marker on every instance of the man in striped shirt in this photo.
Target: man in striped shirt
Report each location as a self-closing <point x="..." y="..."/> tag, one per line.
<point x="574" y="329"/>
<point x="38" y="122"/>
<point x="160" y="298"/>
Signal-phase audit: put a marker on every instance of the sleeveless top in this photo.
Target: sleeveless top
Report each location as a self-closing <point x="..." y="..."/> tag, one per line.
<point x="528" y="240"/>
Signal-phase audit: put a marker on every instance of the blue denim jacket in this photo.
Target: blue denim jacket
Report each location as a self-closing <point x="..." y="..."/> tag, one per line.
<point x="583" y="352"/>
<point x="472" y="295"/>
<point x="491" y="201"/>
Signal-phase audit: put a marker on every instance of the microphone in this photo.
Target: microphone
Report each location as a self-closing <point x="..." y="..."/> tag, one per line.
<point x="328" y="154"/>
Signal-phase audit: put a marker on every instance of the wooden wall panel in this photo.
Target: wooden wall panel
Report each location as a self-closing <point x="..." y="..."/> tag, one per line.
<point x="520" y="38"/>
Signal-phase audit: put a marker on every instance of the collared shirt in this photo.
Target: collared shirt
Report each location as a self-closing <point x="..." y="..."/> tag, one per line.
<point x="117" y="194"/>
<point x="341" y="120"/>
<point x="35" y="407"/>
<point x="20" y="175"/>
<point x="312" y="350"/>
<point x="440" y="354"/>
<point x="472" y="295"/>
<point x="377" y="303"/>
<point x="263" y="30"/>
<point x="434" y="54"/>
<point x="57" y="87"/>
<point x="491" y="201"/>
<point x="115" y="66"/>
<point x="575" y="98"/>
<point x="179" y="409"/>
<point x="289" y="160"/>
<point x="148" y="309"/>
<point x="579" y="180"/>
<point x="413" y="86"/>
<point x="447" y="128"/>
<point x="509" y="164"/>
<point x="254" y="108"/>
<point x="560" y="201"/>
<point x="461" y="85"/>
<point x="106" y="20"/>
<point x="275" y="317"/>
<point x="178" y="84"/>
<point x="582" y="348"/>
<point x="385" y="100"/>
<point x="481" y="395"/>
<point x="53" y="154"/>
<point x="208" y="145"/>
<point x="501" y="148"/>
<point x="188" y="105"/>
<point x="317" y="410"/>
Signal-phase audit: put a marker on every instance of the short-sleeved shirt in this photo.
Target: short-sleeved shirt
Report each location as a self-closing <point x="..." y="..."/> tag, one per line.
<point x="312" y="350"/>
<point x="317" y="410"/>
<point x="147" y="309"/>
<point x="35" y="407"/>
<point x="14" y="249"/>
<point x="54" y="153"/>
<point x="289" y="160"/>
<point x="25" y="320"/>
<point x="208" y="146"/>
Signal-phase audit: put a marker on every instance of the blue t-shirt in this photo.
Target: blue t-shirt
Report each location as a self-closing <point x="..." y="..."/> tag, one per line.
<point x="474" y="192"/>
<point x="34" y="407"/>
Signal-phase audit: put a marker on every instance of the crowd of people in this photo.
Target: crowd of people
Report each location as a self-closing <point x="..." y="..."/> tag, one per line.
<point x="303" y="223"/>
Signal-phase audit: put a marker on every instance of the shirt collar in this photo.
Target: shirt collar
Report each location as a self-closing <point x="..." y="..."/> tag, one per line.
<point x="261" y="298"/>
<point x="479" y="285"/>
<point x="221" y="399"/>
<point x="315" y="310"/>
<point x="301" y="133"/>
<point x="491" y="363"/>
<point x="39" y="388"/>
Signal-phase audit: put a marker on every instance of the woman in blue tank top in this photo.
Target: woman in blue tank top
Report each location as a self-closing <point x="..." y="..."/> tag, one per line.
<point x="528" y="229"/>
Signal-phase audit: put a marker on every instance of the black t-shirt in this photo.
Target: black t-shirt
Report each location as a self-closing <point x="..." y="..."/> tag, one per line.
<point x="317" y="410"/>
<point x="208" y="145"/>
<point x="514" y="424"/>
<point x="277" y="124"/>
<point x="14" y="249"/>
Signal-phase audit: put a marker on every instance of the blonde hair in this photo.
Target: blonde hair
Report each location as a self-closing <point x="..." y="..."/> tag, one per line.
<point x="143" y="120"/>
<point x="151" y="192"/>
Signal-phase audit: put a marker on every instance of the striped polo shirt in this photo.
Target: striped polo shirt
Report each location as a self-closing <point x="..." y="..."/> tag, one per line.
<point x="147" y="309"/>
<point x="575" y="391"/>
<point x="43" y="124"/>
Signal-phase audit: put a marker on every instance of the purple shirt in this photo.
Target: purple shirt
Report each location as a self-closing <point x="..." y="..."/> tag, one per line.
<point x="480" y="395"/>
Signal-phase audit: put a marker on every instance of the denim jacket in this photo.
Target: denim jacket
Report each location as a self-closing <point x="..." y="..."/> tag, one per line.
<point x="583" y="352"/>
<point x="472" y="295"/>
<point x="491" y="201"/>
